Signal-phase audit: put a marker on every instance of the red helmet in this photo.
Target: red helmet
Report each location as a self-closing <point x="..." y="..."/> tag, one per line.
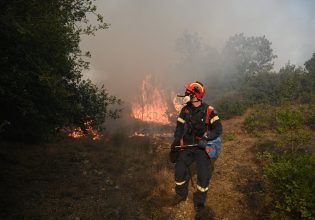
<point x="197" y="88"/>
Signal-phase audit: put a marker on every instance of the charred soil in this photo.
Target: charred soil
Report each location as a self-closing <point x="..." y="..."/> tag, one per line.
<point x="122" y="178"/>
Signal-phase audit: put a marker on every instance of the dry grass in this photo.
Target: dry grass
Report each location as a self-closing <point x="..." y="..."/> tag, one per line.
<point x="120" y="178"/>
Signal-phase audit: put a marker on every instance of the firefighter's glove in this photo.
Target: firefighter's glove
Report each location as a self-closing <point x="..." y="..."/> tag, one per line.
<point x="174" y="153"/>
<point x="202" y="144"/>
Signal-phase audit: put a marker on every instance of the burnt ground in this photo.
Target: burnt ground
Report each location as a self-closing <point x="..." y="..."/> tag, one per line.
<point x="122" y="178"/>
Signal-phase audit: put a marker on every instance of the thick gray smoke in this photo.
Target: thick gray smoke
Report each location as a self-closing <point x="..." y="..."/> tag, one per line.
<point x="147" y="37"/>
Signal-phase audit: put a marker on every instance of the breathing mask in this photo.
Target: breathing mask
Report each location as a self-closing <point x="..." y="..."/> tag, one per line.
<point x="187" y="97"/>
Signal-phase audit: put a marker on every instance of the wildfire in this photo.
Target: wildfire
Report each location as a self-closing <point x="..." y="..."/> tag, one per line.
<point x="78" y="132"/>
<point x="137" y="134"/>
<point x="151" y="105"/>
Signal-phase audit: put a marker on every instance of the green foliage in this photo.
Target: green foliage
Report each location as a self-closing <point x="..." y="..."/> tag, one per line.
<point x="92" y="102"/>
<point x="310" y="116"/>
<point x="254" y="125"/>
<point x="292" y="182"/>
<point x="230" y="106"/>
<point x="41" y="86"/>
<point x="247" y="74"/>
<point x="289" y="169"/>
<point x="228" y="136"/>
<point x="265" y="158"/>
<point x="291" y="84"/>
<point x="260" y="120"/>
<point x="261" y="88"/>
<point x="310" y="67"/>
<point x="292" y="129"/>
<point x="290" y="172"/>
<point x="248" y="56"/>
<point x="289" y="122"/>
<point x="295" y="84"/>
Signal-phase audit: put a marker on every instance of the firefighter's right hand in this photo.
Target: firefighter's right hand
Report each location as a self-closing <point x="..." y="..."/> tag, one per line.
<point x="202" y="144"/>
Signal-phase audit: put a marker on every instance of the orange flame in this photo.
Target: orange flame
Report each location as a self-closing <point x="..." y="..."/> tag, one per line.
<point x="151" y="105"/>
<point x="137" y="134"/>
<point x="78" y="132"/>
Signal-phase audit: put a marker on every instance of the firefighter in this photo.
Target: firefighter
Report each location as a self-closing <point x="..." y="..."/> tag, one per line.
<point x="193" y="128"/>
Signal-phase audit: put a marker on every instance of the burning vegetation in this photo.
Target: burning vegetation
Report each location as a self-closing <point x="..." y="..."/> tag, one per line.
<point x="153" y="105"/>
<point x="89" y="130"/>
<point x="152" y="113"/>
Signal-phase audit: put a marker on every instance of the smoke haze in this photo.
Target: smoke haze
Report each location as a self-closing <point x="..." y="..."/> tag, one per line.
<point x="143" y="35"/>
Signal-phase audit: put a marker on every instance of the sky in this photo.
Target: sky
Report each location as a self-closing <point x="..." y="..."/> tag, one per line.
<point x="142" y="36"/>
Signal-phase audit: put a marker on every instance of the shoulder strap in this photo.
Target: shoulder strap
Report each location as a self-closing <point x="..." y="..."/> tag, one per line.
<point x="210" y="109"/>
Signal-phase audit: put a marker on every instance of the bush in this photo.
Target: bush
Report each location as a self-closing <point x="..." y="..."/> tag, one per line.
<point x="290" y="173"/>
<point x="229" y="107"/>
<point x="260" y="120"/>
<point x="291" y="128"/>
<point x="292" y="183"/>
<point x="291" y="84"/>
<point x="310" y="116"/>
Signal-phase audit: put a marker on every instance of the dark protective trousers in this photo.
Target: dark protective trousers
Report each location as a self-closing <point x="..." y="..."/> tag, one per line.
<point x="204" y="172"/>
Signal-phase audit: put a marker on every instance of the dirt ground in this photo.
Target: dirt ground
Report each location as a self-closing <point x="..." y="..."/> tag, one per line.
<point x="122" y="178"/>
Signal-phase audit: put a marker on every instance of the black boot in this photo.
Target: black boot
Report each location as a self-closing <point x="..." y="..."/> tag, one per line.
<point x="199" y="212"/>
<point x="178" y="199"/>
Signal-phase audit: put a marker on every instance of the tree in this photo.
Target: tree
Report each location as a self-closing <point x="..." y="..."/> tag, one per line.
<point x="310" y="66"/>
<point x="310" y="70"/>
<point x="247" y="56"/>
<point x="41" y="86"/>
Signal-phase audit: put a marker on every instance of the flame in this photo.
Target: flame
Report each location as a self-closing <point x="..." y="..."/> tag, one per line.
<point x="137" y="134"/>
<point x="96" y="135"/>
<point x="78" y="132"/>
<point x="151" y="105"/>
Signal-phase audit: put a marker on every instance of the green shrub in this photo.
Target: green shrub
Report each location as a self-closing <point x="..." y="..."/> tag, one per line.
<point x="229" y="136"/>
<point x="265" y="158"/>
<point x="260" y="120"/>
<point x="229" y="107"/>
<point x="292" y="183"/>
<point x="290" y="173"/>
<point x="310" y="115"/>
<point x="291" y="128"/>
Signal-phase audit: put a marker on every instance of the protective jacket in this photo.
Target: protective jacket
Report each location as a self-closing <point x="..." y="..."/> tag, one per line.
<point x="192" y="124"/>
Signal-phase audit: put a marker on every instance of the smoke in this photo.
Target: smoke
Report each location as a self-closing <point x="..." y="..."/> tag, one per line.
<point x="145" y="37"/>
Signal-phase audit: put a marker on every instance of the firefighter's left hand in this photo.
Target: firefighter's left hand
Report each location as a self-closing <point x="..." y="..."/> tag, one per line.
<point x="202" y="144"/>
